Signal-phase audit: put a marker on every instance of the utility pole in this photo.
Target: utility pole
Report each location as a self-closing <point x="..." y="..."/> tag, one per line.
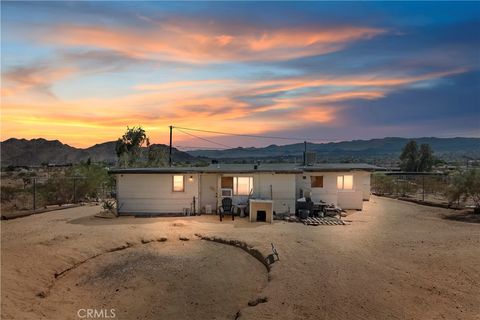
<point x="170" y="149"/>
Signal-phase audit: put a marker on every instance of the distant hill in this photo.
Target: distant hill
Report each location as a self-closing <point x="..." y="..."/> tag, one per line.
<point x="22" y="152"/>
<point x="359" y="150"/>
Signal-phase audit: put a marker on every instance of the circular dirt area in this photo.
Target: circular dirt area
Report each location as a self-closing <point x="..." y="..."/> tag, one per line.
<point x="170" y="280"/>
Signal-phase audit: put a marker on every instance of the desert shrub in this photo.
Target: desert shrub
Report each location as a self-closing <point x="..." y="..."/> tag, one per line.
<point x="8" y="193"/>
<point x="89" y="179"/>
<point x="465" y="185"/>
<point x="472" y="186"/>
<point x="435" y="185"/>
<point x="26" y="177"/>
<point x="383" y="184"/>
<point x="56" y="190"/>
<point x="405" y="187"/>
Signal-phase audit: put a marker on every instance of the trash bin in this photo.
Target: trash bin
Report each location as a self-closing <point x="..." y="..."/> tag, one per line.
<point x="303" y="213"/>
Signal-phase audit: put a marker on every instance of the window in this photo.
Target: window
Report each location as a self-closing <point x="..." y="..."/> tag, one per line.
<point x="345" y="182"/>
<point x="242" y="186"/>
<point x="178" y="183"/>
<point x="316" y="181"/>
<point x="227" y="182"/>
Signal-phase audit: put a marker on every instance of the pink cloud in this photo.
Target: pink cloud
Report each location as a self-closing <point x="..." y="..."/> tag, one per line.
<point x="201" y="42"/>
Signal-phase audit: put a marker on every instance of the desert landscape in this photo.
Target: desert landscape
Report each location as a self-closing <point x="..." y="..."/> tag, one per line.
<point x="393" y="260"/>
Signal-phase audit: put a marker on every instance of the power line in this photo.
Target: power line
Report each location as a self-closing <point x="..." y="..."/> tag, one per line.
<point x="204" y="139"/>
<point x="200" y="147"/>
<point x="244" y="135"/>
<point x="252" y="135"/>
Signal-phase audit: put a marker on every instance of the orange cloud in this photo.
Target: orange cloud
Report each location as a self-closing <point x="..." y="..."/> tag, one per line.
<point x="217" y="104"/>
<point x="200" y="42"/>
<point x="288" y="84"/>
<point x="312" y="114"/>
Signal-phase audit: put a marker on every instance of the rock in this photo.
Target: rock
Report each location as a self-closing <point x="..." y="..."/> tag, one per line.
<point x="183" y="238"/>
<point x="254" y="302"/>
<point x="162" y="239"/>
<point x="41" y="294"/>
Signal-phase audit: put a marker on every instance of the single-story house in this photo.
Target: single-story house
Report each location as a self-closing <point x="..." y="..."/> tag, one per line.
<point x="173" y="190"/>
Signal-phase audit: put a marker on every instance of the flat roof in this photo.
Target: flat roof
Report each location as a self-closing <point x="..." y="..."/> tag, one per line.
<point x="252" y="168"/>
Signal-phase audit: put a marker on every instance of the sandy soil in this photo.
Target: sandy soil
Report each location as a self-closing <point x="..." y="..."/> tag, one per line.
<point x="394" y="260"/>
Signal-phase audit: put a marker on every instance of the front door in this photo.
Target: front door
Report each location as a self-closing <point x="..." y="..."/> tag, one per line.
<point x="208" y="191"/>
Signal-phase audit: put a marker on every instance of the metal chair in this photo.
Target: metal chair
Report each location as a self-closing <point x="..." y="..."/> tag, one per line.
<point x="227" y="208"/>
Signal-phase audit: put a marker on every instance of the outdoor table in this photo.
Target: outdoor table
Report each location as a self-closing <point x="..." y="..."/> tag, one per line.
<point x="242" y="209"/>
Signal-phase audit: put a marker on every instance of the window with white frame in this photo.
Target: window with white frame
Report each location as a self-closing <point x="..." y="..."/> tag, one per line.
<point x="345" y="182"/>
<point x="178" y="183"/>
<point x="242" y="186"/>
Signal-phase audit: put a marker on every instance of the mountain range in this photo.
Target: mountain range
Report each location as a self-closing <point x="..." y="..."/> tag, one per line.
<point x="22" y="152"/>
<point x="355" y="150"/>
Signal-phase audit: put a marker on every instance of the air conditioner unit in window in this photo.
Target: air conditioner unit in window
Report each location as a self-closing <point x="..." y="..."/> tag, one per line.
<point x="227" y="193"/>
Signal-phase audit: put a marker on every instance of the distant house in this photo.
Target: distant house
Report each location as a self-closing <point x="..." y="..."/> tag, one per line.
<point x="180" y="189"/>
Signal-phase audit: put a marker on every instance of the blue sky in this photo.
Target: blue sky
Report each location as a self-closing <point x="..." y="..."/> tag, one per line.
<point x="328" y="71"/>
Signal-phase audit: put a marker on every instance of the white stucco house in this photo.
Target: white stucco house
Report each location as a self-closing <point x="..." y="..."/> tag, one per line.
<point x="174" y="190"/>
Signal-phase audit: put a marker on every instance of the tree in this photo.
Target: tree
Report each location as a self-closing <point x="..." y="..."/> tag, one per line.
<point x="134" y="149"/>
<point x="414" y="159"/>
<point x="426" y="159"/>
<point x="157" y="156"/>
<point x="409" y="157"/>
<point x="129" y="146"/>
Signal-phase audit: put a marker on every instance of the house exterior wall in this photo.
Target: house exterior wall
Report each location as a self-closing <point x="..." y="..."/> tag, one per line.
<point x="366" y="185"/>
<point x="277" y="186"/>
<point x="153" y="193"/>
<point x="345" y="199"/>
<point x="282" y="189"/>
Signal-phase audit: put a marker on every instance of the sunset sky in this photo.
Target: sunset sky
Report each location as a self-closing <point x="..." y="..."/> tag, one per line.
<point x="80" y="72"/>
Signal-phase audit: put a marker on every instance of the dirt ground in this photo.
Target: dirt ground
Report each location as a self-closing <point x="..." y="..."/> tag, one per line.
<point x="394" y="260"/>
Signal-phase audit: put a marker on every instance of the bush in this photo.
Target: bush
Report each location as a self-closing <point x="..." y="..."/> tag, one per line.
<point x="8" y="193"/>
<point x="56" y="190"/>
<point x="465" y="185"/>
<point x="90" y="179"/>
<point x="383" y="184"/>
<point x="405" y="187"/>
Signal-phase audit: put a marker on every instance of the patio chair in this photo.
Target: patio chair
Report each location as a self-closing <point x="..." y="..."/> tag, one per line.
<point x="227" y="208"/>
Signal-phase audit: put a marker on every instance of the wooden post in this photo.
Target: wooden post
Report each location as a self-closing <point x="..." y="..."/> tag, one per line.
<point x="74" y="190"/>
<point x="170" y="149"/>
<point x="423" y="187"/>
<point x="34" y="194"/>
